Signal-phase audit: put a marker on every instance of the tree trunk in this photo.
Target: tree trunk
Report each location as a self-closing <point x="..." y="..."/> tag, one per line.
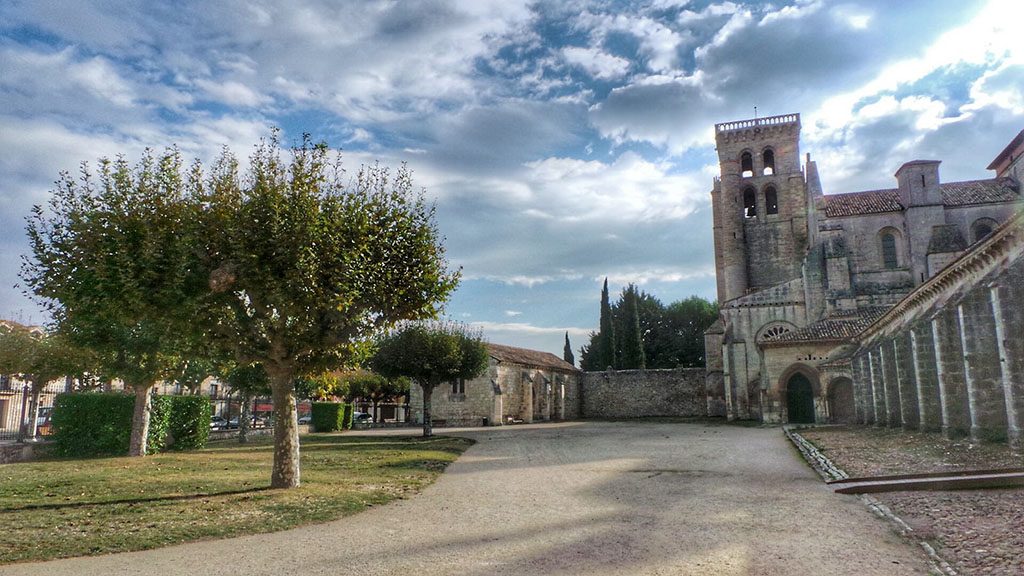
<point x="286" y="431"/>
<point x="140" y="419"/>
<point x="376" y="410"/>
<point x="33" y="415"/>
<point x="428" y="428"/>
<point x="245" y="419"/>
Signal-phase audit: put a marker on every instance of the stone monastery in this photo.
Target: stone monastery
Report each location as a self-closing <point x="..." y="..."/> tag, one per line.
<point x="902" y="306"/>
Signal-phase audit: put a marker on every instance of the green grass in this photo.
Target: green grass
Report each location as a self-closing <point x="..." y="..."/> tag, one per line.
<point x="62" y="508"/>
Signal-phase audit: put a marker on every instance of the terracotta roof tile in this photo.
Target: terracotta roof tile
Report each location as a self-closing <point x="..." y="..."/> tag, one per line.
<point x="832" y="328"/>
<point x="528" y="357"/>
<point x="953" y="194"/>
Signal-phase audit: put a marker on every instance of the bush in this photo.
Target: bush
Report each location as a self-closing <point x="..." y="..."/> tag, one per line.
<point x="91" y="424"/>
<point x="331" y="416"/>
<point x="189" y="424"/>
<point x="100" y="424"/>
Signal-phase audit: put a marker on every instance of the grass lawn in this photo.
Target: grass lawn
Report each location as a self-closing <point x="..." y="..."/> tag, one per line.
<point x="61" y="508"/>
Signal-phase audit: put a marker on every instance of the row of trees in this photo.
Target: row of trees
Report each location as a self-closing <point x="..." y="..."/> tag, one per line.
<point x="638" y="331"/>
<point x="292" y="265"/>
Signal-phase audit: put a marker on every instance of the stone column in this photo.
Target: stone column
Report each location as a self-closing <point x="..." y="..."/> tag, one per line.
<point x="527" y="396"/>
<point x="982" y="367"/>
<point x="905" y="377"/>
<point x="890" y="384"/>
<point x="877" y="388"/>
<point x="949" y="363"/>
<point x="862" y="390"/>
<point x="1008" y="306"/>
<point x="922" y="349"/>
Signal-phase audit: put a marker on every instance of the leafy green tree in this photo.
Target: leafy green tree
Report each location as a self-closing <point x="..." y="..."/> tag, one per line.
<point x="112" y="262"/>
<point x="606" y="341"/>
<point x="192" y="371"/>
<point x="631" y="355"/>
<point x="303" y="264"/>
<point x="38" y="359"/>
<point x="429" y="354"/>
<point x="249" y="382"/>
<point x="374" y="388"/>
<point x="567" y="351"/>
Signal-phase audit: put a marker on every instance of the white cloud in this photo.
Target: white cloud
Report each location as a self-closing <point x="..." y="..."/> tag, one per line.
<point x="232" y="93"/>
<point x="513" y="313"/>
<point x="596" y="63"/>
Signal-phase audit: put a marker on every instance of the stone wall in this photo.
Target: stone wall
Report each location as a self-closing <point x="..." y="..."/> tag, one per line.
<point x="638" y="393"/>
<point x="949" y="357"/>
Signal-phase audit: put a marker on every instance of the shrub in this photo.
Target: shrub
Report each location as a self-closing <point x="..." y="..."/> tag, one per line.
<point x="331" y="416"/>
<point x="91" y="424"/>
<point x="100" y="424"/>
<point x="189" y="425"/>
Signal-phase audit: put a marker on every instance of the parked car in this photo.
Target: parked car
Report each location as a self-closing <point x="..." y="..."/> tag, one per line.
<point x="361" y="418"/>
<point x="218" y="422"/>
<point x="307" y="419"/>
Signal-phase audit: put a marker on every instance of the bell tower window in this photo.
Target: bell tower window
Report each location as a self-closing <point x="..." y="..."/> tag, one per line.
<point x="749" y="203"/>
<point x="771" y="200"/>
<point x="769" y="162"/>
<point x="747" y="164"/>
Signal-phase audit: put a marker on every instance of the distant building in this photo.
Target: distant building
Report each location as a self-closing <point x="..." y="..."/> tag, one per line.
<point x="806" y="280"/>
<point x="519" y="385"/>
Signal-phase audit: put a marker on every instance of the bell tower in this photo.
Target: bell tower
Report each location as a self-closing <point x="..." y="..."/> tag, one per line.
<point x="759" y="204"/>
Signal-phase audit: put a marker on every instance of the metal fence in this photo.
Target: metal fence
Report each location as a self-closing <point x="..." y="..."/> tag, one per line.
<point x="16" y="404"/>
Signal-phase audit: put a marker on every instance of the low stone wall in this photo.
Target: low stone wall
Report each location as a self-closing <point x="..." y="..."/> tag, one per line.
<point x="639" y="393"/>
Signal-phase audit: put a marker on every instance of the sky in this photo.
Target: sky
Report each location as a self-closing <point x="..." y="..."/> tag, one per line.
<point x="563" y="142"/>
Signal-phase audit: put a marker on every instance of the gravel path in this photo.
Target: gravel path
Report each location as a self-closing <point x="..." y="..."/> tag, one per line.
<point x="977" y="531"/>
<point x="575" y="498"/>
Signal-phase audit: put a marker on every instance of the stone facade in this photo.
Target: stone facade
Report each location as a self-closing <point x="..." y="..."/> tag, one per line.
<point x="639" y="393"/>
<point x="801" y="273"/>
<point x="519" y="385"/>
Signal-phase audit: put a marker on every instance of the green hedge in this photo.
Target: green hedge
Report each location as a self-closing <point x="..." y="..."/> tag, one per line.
<point x="331" y="416"/>
<point x="189" y="425"/>
<point x="97" y="424"/>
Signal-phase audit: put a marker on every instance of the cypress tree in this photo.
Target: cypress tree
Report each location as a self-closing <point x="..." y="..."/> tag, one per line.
<point x="632" y="338"/>
<point x="567" y="351"/>
<point x="606" y="352"/>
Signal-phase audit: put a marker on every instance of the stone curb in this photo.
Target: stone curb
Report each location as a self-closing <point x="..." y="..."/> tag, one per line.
<point x="829" y="471"/>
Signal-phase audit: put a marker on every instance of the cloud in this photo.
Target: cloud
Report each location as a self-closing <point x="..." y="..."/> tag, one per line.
<point x="598" y="64"/>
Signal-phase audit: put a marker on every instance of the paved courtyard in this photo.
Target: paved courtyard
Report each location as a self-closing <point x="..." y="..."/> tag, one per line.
<point x="589" y="498"/>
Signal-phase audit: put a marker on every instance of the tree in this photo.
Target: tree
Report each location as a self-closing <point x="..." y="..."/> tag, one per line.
<point x="38" y="359"/>
<point x="606" y="342"/>
<point x="374" y="388"/>
<point x="631" y="355"/>
<point x="429" y="354"/>
<point x="303" y="266"/>
<point x="567" y="351"/>
<point x="249" y="381"/>
<point x="112" y="262"/>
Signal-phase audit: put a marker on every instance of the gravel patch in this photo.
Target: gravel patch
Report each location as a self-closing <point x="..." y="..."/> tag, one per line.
<point x="976" y="531"/>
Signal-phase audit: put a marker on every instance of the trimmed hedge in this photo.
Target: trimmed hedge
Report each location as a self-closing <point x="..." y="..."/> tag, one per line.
<point x="189" y="425"/>
<point x="100" y="424"/>
<point x="331" y="416"/>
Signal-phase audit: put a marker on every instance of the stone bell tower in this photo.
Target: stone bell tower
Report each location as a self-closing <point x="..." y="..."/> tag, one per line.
<point x="759" y="205"/>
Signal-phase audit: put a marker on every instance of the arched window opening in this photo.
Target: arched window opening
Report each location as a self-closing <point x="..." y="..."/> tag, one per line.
<point x="769" y="162"/>
<point x="749" y="203"/>
<point x="747" y="164"/>
<point x="771" y="200"/>
<point x="889" y="257"/>
<point x="982" y="228"/>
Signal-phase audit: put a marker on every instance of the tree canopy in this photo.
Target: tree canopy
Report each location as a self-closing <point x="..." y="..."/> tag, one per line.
<point x="293" y="265"/>
<point x="429" y="354"/>
<point x="672" y="336"/>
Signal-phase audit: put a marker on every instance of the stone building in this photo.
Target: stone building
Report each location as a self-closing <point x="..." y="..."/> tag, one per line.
<point x="519" y="385"/>
<point x="802" y="275"/>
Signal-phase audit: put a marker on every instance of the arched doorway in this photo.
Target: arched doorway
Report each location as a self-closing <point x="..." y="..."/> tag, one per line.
<point x="799" y="400"/>
<point x="840" y="401"/>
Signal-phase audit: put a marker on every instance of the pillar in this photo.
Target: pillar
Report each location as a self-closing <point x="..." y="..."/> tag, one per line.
<point x="982" y="367"/>
<point x="1008" y="308"/>
<point x="949" y="363"/>
<point x="905" y="379"/>
<point x="890" y="384"/>
<point x="877" y="390"/>
<point x="922" y="349"/>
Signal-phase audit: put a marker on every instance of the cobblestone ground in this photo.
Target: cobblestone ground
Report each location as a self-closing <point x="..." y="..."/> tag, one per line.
<point x="977" y="531"/>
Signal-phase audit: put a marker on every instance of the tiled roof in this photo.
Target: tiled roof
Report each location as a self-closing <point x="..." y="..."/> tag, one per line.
<point x="528" y="357"/>
<point x="953" y="194"/>
<point x="833" y="328"/>
<point x="979" y="192"/>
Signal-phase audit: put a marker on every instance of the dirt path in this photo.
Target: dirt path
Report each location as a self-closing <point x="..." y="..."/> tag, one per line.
<point x="575" y="498"/>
